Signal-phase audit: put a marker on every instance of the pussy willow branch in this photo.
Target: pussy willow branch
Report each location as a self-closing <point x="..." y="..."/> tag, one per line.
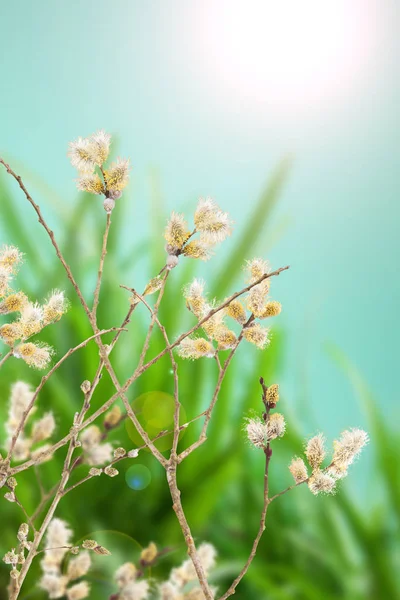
<point x="49" y="232"/>
<point x="208" y="316"/>
<point x="102" y="349"/>
<point x="171" y="468"/>
<point x="171" y="465"/>
<point x="136" y="374"/>
<point x="154" y="313"/>
<point x="260" y="532"/>
<point x="160" y="435"/>
<point x="50" y="513"/>
<point x="173" y="364"/>
<point x="27" y="517"/>
<point x="266" y="502"/>
<point x="46" y="377"/>
<point x="178" y="509"/>
<point x="101" y="267"/>
<point x="221" y="376"/>
<point x="92" y="319"/>
<point x="108" y="366"/>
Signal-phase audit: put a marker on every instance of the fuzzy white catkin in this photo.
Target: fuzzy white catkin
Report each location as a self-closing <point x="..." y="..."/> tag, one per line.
<point x="79" y="591"/>
<point x="349" y="446"/>
<point x="135" y="590"/>
<point x="43" y="428"/>
<point x="21" y="396"/>
<point x="95" y="452"/>
<point x="58" y="535"/>
<point x="54" y="584"/>
<point x="79" y="566"/>
<point x="125" y="574"/>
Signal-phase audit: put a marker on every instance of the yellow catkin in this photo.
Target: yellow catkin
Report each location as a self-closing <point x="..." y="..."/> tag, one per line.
<point x="315" y="451"/>
<point x="202" y="346"/>
<point x="55" y="307"/>
<point x="34" y="356"/>
<point x="176" y="232"/>
<point x="272" y="395"/>
<point x="196" y="305"/>
<point x="236" y="310"/>
<point x="13" y="303"/>
<point x="213" y="324"/>
<point x="256" y="299"/>
<point x="197" y="249"/>
<point x="257" y="335"/>
<point x="257" y="267"/>
<point x="10" y="333"/>
<point x="271" y="309"/>
<point x="149" y="554"/>
<point x="154" y="285"/>
<point x="298" y="470"/>
<point x="30" y="328"/>
<point x="213" y="224"/>
<point x="112" y="417"/>
<point x="51" y="314"/>
<point x="90" y="183"/>
<point x="100" y="146"/>
<point x="10" y="257"/>
<point x="117" y="176"/>
<point x="225" y="338"/>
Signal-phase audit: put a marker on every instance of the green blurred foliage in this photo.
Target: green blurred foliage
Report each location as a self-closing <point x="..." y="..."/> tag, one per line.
<point x="313" y="547"/>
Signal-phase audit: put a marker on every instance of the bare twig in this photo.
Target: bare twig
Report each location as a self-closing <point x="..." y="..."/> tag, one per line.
<point x="50" y="513"/>
<point x="26" y="412"/>
<point x="50" y="234"/>
<point x="101" y="267"/>
<point x="260" y="532"/>
<point x="178" y="509"/>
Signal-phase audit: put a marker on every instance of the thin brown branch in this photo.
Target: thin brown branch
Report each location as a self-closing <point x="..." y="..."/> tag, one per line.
<point x="50" y="234"/>
<point x="173" y="364"/>
<point x="50" y="513"/>
<point x="222" y="372"/>
<point x="27" y="517"/>
<point x="143" y="447"/>
<point x="260" y="532"/>
<point x="178" y="509"/>
<point x="206" y="318"/>
<point x="154" y="313"/>
<point x="101" y="267"/>
<point x="46" y="377"/>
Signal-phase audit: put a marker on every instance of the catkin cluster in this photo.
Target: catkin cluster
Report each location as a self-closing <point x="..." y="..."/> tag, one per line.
<point x="61" y="579"/>
<point x="16" y="556"/>
<point x="261" y="431"/>
<point x="65" y="565"/>
<point x="220" y="334"/>
<point x="88" y="155"/>
<point x="345" y="450"/>
<point x="210" y="223"/>
<point x="31" y="316"/>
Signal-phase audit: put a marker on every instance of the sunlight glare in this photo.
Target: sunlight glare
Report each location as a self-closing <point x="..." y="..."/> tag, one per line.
<point x="288" y="53"/>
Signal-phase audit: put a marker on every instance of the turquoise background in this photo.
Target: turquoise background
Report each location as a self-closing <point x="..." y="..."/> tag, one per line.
<point x="138" y="69"/>
<point x="142" y="71"/>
